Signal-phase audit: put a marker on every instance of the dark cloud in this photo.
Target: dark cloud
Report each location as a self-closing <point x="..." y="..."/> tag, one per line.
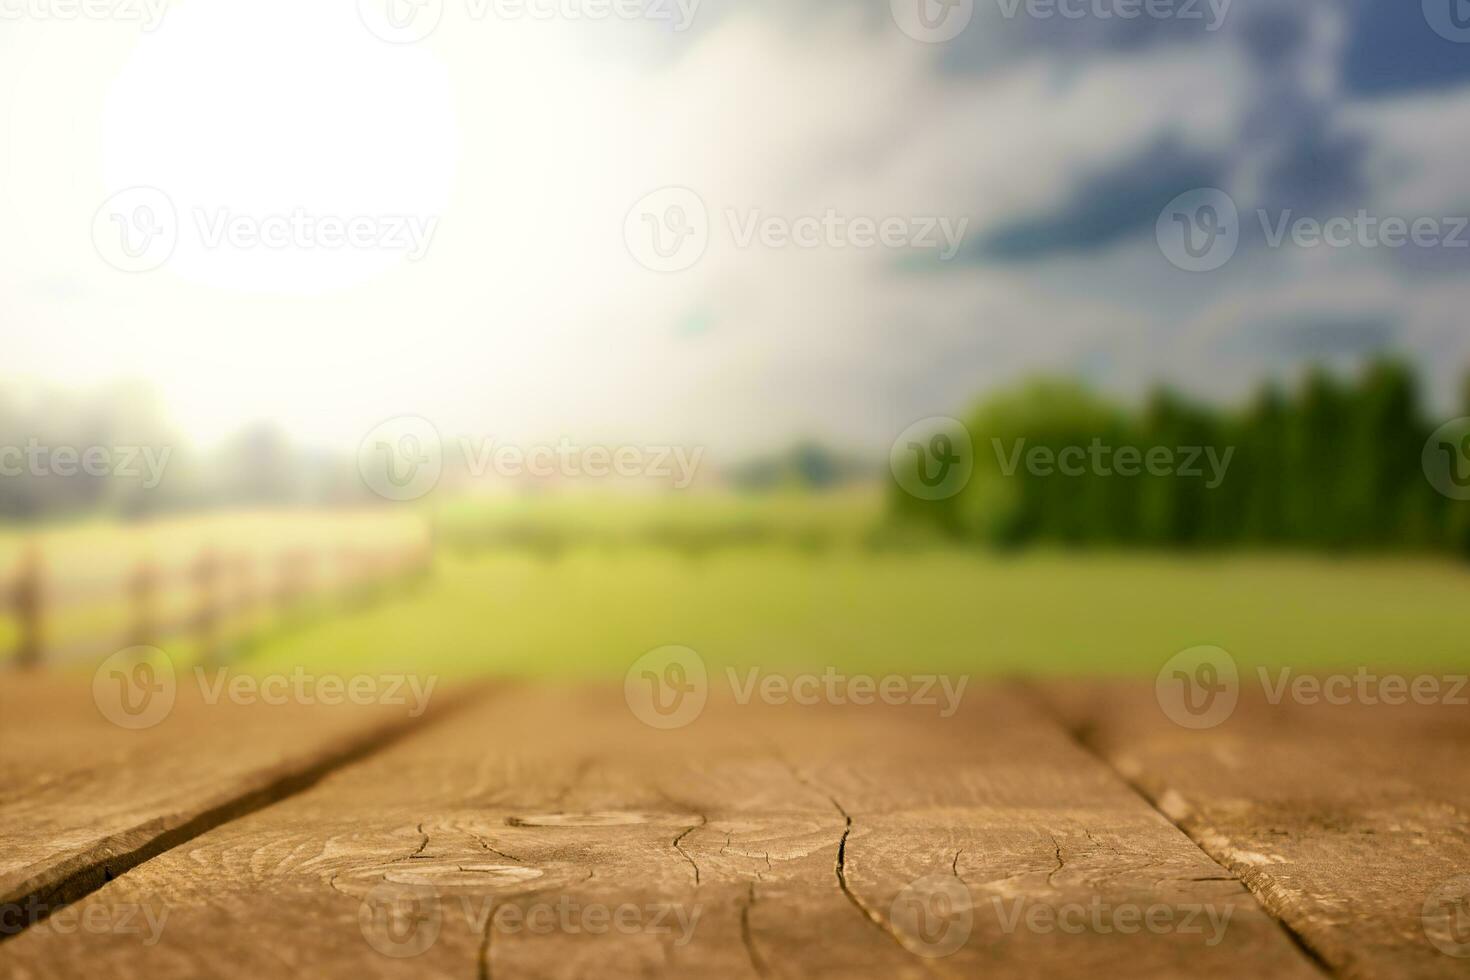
<point x="1315" y="337"/>
<point x="1106" y="207"/>
<point x="1392" y="50"/>
<point x="1306" y="166"/>
<point x="1290" y="154"/>
<point x="1270" y="32"/>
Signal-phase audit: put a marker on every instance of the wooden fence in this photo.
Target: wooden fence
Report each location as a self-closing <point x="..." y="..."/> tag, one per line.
<point x="226" y="596"/>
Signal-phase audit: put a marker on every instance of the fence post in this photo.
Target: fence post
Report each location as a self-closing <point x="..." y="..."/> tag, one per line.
<point x="142" y="590"/>
<point x="352" y="579"/>
<point x="27" y="600"/>
<point x="242" y="571"/>
<point x="291" y="585"/>
<point x="206" y="618"/>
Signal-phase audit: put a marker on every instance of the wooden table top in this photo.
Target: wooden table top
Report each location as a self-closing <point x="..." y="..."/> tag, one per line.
<point x="523" y="829"/>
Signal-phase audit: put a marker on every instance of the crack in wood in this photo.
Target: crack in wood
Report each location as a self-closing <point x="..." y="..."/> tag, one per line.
<point x="756" y="963"/>
<point x="1061" y="863"/>
<point x="494" y="850"/>
<point x="484" y="950"/>
<point x="873" y="918"/>
<point x="1085" y="738"/>
<point x="678" y="846"/>
<point x="483" y="970"/>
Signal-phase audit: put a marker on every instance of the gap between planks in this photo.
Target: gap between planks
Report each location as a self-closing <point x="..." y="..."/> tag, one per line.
<point x="1078" y="734"/>
<point x="49" y="896"/>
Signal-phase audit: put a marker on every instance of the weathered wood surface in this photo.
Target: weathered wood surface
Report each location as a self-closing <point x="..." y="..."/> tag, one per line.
<point x="1351" y="822"/>
<point x="547" y="832"/>
<point x="82" y="800"/>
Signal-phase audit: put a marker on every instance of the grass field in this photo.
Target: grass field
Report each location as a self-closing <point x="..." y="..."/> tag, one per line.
<point x="593" y="612"/>
<point x="797" y="584"/>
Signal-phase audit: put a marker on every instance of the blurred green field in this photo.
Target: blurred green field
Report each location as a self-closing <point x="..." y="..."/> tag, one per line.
<point x="560" y="587"/>
<point x="825" y="595"/>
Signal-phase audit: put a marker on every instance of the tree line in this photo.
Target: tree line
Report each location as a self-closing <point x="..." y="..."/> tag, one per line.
<point x="112" y="451"/>
<point x="1334" y="464"/>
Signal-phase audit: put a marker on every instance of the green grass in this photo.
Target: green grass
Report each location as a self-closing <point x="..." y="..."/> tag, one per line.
<point x="563" y="586"/>
<point x="592" y="612"/>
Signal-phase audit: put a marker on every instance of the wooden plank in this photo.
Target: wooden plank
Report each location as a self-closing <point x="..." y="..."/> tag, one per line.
<point x="1007" y="805"/>
<point x="1351" y="822"/>
<point x="82" y="799"/>
<point x="550" y="833"/>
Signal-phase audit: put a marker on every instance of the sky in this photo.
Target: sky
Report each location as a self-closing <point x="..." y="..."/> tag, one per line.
<point x="730" y="223"/>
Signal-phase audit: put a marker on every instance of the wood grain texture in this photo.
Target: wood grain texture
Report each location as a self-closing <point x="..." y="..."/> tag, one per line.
<point x="82" y="800"/>
<point x="548" y="833"/>
<point x="1345" y="820"/>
